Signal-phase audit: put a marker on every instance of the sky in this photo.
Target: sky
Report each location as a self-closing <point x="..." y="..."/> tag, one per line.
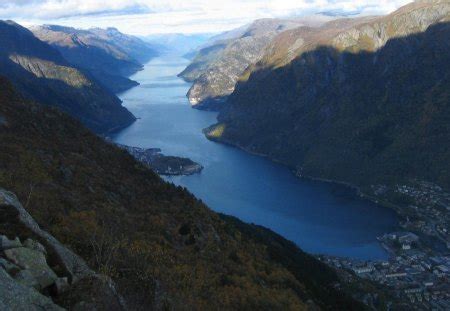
<point x="146" y="17"/>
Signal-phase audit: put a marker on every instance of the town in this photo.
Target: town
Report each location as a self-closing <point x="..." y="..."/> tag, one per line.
<point x="417" y="272"/>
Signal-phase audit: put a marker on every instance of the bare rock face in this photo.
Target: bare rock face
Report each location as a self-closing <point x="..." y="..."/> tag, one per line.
<point x="15" y="296"/>
<point x="217" y="67"/>
<point x="75" y="266"/>
<point x="36" y="246"/>
<point x="211" y="87"/>
<point x="29" y="282"/>
<point x="6" y="243"/>
<point x="8" y="266"/>
<point x="34" y="262"/>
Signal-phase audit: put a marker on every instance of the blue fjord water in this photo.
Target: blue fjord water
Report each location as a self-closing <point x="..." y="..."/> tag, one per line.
<point x="319" y="217"/>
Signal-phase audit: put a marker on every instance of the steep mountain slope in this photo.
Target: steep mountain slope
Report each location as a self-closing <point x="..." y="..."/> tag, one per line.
<point x="162" y="247"/>
<point x="40" y="73"/>
<point x="366" y="105"/>
<point x="107" y="54"/>
<point x="217" y="67"/>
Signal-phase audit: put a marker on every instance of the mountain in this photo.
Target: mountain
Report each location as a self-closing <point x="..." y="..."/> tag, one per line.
<point x="109" y="55"/>
<point x="163" y="248"/>
<point x="178" y="43"/>
<point x="40" y="73"/>
<point x="366" y="104"/>
<point x="217" y="66"/>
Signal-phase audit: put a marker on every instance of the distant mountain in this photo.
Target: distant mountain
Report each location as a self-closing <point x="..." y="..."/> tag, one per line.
<point x="41" y="73"/>
<point x="109" y="55"/>
<point x="178" y="43"/>
<point x="217" y="66"/>
<point x="163" y="248"/>
<point x="365" y="102"/>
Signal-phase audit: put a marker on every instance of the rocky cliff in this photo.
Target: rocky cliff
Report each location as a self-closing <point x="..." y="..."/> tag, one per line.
<point x="163" y="248"/>
<point x="37" y="272"/>
<point x="367" y="103"/>
<point x="40" y="73"/>
<point x="109" y="55"/>
<point x="217" y="67"/>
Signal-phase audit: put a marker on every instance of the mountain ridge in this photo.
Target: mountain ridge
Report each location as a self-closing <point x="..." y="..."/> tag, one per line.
<point x="41" y="73"/>
<point x="217" y="66"/>
<point x="109" y="55"/>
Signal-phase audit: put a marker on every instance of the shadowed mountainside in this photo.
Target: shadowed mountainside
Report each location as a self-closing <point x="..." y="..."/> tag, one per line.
<point x="40" y="73"/>
<point x="369" y="105"/>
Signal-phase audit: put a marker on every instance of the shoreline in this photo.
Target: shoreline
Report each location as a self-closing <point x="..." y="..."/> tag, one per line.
<point x="399" y="210"/>
<point x="352" y="187"/>
<point x="348" y="185"/>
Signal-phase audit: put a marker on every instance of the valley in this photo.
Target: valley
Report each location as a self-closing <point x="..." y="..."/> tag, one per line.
<point x="312" y="173"/>
<point x="254" y="189"/>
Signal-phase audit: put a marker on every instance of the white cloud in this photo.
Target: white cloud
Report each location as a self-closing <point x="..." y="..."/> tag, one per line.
<point x="143" y="17"/>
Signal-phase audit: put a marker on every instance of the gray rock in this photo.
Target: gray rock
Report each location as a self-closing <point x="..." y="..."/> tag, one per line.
<point x="15" y="296"/>
<point x="31" y="244"/>
<point x="62" y="285"/>
<point x="73" y="265"/>
<point x="9" y="266"/>
<point x="97" y="291"/>
<point x="26" y="278"/>
<point x="35" y="262"/>
<point x="6" y="243"/>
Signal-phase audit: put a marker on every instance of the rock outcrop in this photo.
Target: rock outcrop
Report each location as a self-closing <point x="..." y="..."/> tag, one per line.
<point x="72" y="265"/>
<point x="218" y="66"/>
<point x="34" y="276"/>
<point x="15" y="296"/>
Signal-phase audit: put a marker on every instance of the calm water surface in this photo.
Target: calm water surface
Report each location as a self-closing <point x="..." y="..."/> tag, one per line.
<point x="319" y="217"/>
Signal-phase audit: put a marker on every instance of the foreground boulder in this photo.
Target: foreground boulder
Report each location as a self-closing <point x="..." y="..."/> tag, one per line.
<point x="74" y="266"/>
<point x="36" y="273"/>
<point x="15" y="296"/>
<point x="35" y="263"/>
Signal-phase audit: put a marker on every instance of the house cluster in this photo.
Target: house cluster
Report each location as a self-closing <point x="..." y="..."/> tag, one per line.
<point x="412" y="275"/>
<point x="402" y="240"/>
<point x="430" y="211"/>
<point x="418" y="270"/>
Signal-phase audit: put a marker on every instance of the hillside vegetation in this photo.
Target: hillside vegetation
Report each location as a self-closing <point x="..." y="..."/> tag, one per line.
<point x="164" y="248"/>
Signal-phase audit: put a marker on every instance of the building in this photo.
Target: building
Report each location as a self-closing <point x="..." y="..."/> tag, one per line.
<point x="363" y="269"/>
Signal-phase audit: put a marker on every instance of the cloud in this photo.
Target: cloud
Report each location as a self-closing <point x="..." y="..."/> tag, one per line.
<point x="143" y="17"/>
